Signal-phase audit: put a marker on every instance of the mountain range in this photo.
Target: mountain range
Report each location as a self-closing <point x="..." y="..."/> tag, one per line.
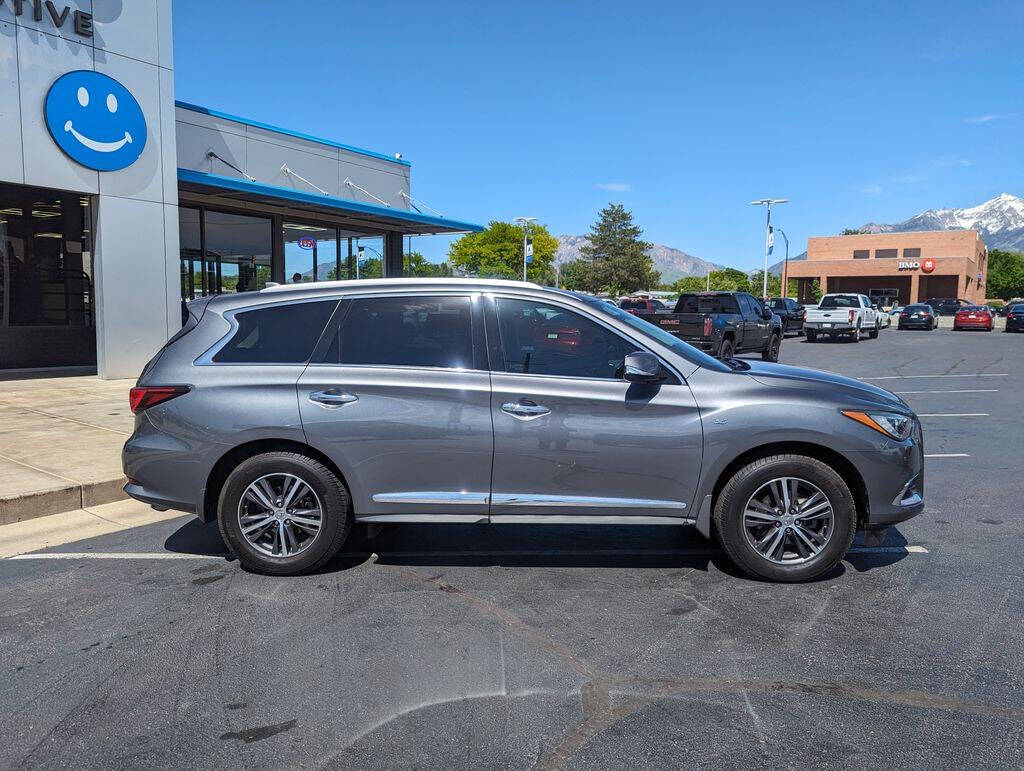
<point x="672" y="263"/>
<point x="1000" y="221"/>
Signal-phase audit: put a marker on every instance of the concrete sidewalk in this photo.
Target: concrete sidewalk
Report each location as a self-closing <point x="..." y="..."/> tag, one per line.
<point x="60" y="444"/>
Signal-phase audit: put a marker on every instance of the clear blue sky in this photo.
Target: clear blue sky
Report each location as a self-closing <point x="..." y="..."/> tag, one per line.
<point x="681" y="111"/>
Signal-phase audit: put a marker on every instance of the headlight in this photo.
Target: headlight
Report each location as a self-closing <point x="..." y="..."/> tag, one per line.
<point x="893" y="424"/>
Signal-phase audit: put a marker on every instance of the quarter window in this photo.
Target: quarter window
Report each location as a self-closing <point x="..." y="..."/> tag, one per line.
<point x="541" y="339"/>
<point x="279" y="334"/>
<point x="405" y="332"/>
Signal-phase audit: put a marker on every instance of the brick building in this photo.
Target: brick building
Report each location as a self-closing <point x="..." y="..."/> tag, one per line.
<point x="903" y="267"/>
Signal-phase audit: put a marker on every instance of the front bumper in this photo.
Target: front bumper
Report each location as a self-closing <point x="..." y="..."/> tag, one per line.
<point x="894" y="478"/>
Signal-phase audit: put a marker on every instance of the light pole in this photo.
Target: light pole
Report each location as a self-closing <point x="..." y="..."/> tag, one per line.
<point x="785" y="264"/>
<point x="359" y="254"/>
<point x="525" y="223"/>
<point x="767" y="234"/>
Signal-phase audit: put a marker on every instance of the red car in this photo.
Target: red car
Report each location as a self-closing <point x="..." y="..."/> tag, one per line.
<point x="973" y="317"/>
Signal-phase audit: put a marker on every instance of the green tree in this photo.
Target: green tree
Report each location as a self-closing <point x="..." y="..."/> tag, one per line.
<point x="1005" y="274"/>
<point x="757" y="284"/>
<point x="415" y="264"/>
<point x="575" y="275"/>
<point x="690" y="284"/>
<point x="619" y="263"/>
<point x="851" y="232"/>
<point x="497" y="252"/>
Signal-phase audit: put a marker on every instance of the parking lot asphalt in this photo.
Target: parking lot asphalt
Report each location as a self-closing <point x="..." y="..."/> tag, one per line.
<point x="555" y="647"/>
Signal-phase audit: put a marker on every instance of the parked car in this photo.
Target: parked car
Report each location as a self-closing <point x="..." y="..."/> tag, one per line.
<point x="723" y="324"/>
<point x="1015" y="318"/>
<point x="884" y="320"/>
<point x="463" y="400"/>
<point x="973" y="317"/>
<point x="842" y="315"/>
<point x="917" y="316"/>
<point x="894" y="311"/>
<point x="643" y="305"/>
<point x="946" y="306"/>
<point x="790" y="311"/>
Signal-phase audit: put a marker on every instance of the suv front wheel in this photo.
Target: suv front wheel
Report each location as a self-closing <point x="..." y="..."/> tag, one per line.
<point x="786" y="518"/>
<point x="283" y="513"/>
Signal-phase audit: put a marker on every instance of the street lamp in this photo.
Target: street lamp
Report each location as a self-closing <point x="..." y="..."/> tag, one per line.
<point x="785" y="264"/>
<point x="525" y="223"/>
<point x="767" y="234"/>
<point x="359" y="255"/>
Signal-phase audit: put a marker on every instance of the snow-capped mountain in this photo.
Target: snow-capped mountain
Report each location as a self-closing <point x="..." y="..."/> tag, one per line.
<point x="672" y="263"/>
<point x="1000" y="221"/>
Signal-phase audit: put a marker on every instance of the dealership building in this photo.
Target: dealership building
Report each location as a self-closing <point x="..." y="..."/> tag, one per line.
<point x="895" y="268"/>
<point x="117" y="202"/>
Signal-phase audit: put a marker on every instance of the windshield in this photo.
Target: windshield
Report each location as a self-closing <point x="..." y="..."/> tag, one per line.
<point x="840" y="301"/>
<point x="647" y="329"/>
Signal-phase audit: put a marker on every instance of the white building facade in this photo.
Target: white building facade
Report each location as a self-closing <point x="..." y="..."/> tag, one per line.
<point x="117" y="203"/>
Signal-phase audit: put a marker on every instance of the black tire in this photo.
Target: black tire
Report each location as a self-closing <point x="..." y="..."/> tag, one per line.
<point x="727" y="350"/>
<point x="812" y="335"/>
<point x="873" y="334"/>
<point x="771" y="353"/>
<point x="732" y="500"/>
<point x="335" y="505"/>
<point x="856" y="335"/>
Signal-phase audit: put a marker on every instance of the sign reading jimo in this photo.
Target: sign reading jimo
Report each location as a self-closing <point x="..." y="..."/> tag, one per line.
<point x="95" y="120"/>
<point x="927" y="266"/>
<point x="80" y="21"/>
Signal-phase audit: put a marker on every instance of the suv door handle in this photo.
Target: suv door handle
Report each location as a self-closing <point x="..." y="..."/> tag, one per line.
<point x="524" y="409"/>
<point x="332" y="398"/>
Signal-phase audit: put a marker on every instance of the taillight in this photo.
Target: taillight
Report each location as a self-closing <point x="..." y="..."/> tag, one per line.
<point x="707" y="327"/>
<point x="143" y="397"/>
<point x="852" y="314"/>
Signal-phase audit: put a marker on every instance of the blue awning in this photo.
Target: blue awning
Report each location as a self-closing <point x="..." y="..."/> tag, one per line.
<point x="408" y="222"/>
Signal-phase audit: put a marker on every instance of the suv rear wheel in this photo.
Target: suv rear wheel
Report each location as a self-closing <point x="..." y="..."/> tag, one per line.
<point x="786" y="518"/>
<point x="283" y="513"/>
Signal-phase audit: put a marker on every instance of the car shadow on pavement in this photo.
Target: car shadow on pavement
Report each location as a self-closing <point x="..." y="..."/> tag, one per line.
<point x="864" y="561"/>
<point x="544" y="546"/>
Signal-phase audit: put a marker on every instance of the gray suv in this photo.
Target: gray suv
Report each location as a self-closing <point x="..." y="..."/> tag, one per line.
<point x="291" y="414"/>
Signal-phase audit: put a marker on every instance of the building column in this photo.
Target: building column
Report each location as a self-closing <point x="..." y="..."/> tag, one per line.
<point x="824" y="284"/>
<point x="392" y="267"/>
<point x="915" y="288"/>
<point x="962" y="282"/>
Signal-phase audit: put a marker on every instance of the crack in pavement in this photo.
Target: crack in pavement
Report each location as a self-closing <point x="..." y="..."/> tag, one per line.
<point x="637" y="693"/>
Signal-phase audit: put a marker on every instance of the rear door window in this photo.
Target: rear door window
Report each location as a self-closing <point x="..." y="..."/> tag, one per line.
<point x="410" y="331"/>
<point x="277" y="334"/>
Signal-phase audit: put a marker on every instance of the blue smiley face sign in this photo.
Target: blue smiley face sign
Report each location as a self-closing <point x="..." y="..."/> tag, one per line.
<point x="95" y="120"/>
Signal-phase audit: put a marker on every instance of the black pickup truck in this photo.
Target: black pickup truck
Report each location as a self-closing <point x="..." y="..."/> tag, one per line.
<point x="723" y="324"/>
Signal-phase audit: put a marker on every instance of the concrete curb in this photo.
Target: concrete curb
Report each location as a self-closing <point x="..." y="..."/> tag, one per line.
<point x="70" y="497"/>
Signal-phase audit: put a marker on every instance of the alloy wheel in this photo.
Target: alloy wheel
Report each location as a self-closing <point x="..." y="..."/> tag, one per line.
<point x="280" y="515"/>
<point x="788" y="520"/>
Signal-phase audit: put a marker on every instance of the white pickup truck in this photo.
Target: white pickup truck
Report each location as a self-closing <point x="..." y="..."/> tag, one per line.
<point x="842" y="314"/>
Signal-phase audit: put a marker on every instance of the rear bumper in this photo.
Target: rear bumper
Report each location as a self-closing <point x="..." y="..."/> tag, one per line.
<point x="829" y="326"/>
<point x="973" y="324"/>
<point x="140" y="493"/>
<point x="915" y="324"/>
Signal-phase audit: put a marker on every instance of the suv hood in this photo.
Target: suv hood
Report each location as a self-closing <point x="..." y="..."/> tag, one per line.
<point x="782" y="375"/>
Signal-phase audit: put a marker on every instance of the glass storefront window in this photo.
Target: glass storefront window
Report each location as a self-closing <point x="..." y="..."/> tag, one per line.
<point x="237" y="250"/>
<point x="310" y="253"/>
<point x="367" y="257"/>
<point x="46" y="278"/>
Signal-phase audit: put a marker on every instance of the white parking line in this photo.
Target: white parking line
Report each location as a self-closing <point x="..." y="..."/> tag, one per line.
<point x="964" y="391"/>
<point x="952" y="414"/>
<point x="72" y="555"/>
<point x="908" y="377"/>
<point x="948" y="455"/>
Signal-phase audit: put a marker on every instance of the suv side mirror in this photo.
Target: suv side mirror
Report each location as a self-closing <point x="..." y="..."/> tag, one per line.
<point x="766" y="313"/>
<point x="642" y="367"/>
